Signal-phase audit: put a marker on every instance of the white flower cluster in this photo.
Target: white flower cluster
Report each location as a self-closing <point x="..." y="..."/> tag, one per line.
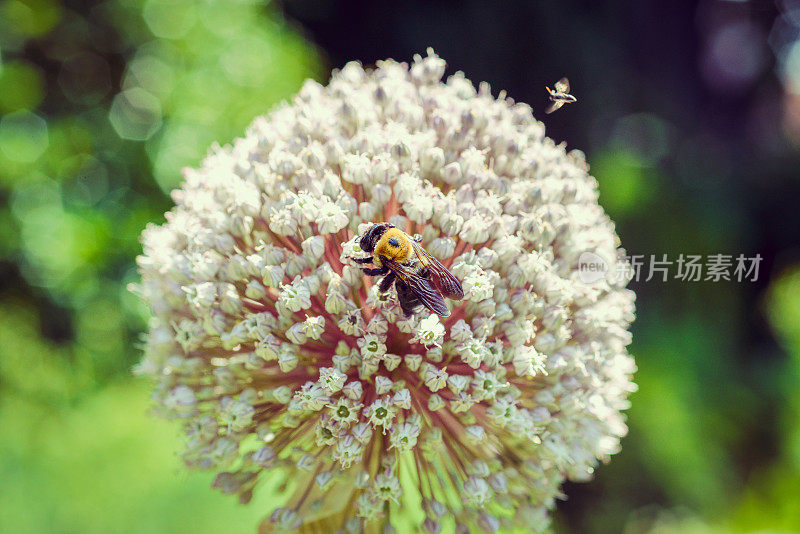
<point x="284" y="360"/>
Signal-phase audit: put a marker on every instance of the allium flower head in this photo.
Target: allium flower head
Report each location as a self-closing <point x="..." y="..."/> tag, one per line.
<point x="285" y="362"/>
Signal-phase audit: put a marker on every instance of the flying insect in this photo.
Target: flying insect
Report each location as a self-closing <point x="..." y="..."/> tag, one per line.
<point x="559" y="95"/>
<point x="419" y="278"/>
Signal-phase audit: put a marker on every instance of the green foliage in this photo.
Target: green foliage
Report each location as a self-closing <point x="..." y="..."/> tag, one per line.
<point x="133" y="92"/>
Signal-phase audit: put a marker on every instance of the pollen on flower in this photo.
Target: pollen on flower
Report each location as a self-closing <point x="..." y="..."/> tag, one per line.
<point x="286" y="363"/>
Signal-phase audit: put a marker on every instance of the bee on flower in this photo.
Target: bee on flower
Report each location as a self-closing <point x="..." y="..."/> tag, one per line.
<point x="480" y="366"/>
<point x="418" y="277"/>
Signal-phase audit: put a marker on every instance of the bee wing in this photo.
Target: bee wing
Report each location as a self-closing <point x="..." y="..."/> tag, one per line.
<point x="562" y="85"/>
<point x="554" y="105"/>
<point x="441" y="277"/>
<point x="421" y="287"/>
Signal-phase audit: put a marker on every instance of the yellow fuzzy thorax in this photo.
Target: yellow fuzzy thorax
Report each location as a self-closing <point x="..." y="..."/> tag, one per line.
<point x="399" y="253"/>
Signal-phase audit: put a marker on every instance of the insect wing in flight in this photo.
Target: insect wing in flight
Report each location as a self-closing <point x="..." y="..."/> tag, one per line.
<point x="441" y="277"/>
<point x="554" y="105"/>
<point x="420" y="287"/>
<point x="562" y="85"/>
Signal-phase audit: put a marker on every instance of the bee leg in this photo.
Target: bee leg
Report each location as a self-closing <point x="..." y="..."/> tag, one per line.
<point x="361" y="260"/>
<point x="386" y="282"/>
<point x="375" y="272"/>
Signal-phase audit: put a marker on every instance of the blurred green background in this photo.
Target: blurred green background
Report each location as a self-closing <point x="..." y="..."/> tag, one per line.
<point x="689" y="112"/>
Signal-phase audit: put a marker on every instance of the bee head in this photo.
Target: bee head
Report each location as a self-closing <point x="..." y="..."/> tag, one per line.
<point x="372" y="236"/>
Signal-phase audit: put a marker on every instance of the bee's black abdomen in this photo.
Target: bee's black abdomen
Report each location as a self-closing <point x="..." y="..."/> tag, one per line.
<point x="409" y="302"/>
